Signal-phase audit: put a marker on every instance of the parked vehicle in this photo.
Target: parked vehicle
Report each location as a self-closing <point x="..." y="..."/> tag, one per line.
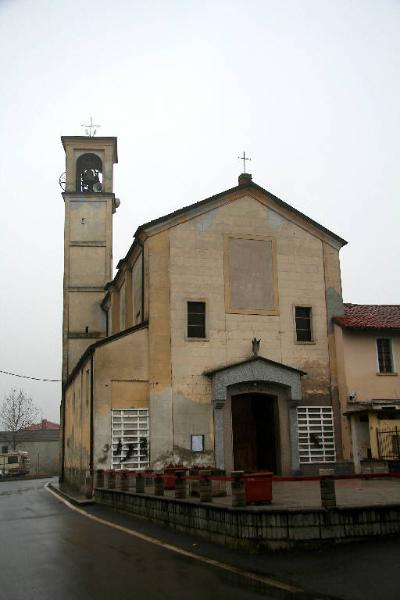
<point x="14" y="463"/>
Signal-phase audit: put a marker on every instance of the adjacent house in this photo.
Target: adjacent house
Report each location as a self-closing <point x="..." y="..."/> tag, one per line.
<point x="368" y="349"/>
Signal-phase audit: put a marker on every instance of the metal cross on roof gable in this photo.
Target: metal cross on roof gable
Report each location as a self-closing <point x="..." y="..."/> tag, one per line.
<point x="91" y="126"/>
<point x="244" y="158"/>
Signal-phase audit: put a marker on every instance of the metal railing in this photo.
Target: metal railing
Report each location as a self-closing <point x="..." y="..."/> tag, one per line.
<point x="389" y="443"/>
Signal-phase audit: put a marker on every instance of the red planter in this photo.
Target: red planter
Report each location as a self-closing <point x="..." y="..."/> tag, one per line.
<point x="258" y="487"/>
<point x="170" y="477"/>
<point x="169" y="482"/>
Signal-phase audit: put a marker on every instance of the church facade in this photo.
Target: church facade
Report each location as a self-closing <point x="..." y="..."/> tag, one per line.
<point x="213" y="344"/>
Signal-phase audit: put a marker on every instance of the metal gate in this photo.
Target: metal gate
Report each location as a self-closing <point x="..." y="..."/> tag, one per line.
<point x="389" y="443"/>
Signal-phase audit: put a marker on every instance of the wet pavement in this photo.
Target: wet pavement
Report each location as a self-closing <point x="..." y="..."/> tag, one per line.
<point x="50" y="552"/>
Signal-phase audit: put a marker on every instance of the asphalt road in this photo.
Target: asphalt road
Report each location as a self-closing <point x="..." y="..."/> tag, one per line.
<point x="50" y="552"/>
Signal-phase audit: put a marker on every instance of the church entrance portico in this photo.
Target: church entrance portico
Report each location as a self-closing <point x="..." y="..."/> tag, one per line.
<point x="255" y="416"/>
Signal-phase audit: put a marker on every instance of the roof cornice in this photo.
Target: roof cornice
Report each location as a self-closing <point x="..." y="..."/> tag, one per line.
<point x="167" y="219"/>
<point x="90" y="142"/>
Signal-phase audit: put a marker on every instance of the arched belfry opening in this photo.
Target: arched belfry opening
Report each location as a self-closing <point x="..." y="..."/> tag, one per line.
<point x="89" y="173"/>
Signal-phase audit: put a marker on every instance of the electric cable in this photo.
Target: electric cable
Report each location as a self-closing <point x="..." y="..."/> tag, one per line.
<point x="28" y="377"/>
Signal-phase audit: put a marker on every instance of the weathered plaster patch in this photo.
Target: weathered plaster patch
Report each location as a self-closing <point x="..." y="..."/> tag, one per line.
<point x="205" y="221"/>
<point x="275" y="220"/>
<point x="161" y="428"/>
<point x="103" y="457"/>
<point x="184" y="457"/>
<point x="334" y="306"/>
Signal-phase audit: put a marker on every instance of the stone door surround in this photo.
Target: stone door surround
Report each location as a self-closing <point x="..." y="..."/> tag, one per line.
<point x="261" y="375"/>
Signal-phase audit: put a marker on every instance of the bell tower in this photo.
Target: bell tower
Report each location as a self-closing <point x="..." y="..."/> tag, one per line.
<point x="89" y="207"/>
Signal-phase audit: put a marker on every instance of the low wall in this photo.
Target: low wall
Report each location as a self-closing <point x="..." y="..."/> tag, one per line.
<point x="255" y="528"/>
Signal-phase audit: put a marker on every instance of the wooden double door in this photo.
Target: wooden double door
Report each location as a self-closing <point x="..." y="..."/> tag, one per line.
<point x="255" y="432"/>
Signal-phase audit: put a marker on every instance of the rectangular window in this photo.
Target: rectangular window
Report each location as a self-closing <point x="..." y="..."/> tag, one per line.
<point x="130" y="438"/>
<point x="316" y="434"/>
<point x="13" y="460"/>
<point x="137" y="291"/>
<point x="196" y="319"/>
<point x="385" y="359"/>
<point x="122" y="307"/>
<point x="303" y="324"/>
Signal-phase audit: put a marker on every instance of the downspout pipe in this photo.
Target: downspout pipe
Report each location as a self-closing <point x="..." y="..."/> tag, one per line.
<point x="62" y="433"/>
<point x="91" y="452"/>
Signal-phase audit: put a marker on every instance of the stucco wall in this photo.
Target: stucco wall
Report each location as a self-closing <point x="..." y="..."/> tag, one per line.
<point x="357" y="360"/>
<point x="43" y="447"/>
<point x="158" y="295"/>
<point x="120" y="381"/>
<point x="361" y="366"/>
<point x="44" y="456"/>
<point x="77" y="428"/>
<point x="120" y="374"/>
<point x="197" y="273"/>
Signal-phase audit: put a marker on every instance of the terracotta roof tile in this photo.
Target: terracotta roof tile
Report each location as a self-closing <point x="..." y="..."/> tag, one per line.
<point x="370" y="316"/>
<point x="45" y="424"/>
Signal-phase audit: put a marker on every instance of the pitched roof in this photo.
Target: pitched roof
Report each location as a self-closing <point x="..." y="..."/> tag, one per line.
<point x="45" y="424"/>
<point x="90" y="349"/>
<point x="243" y="186"/>
<point x="245" y="183"/>
<point x="370" y="316"/>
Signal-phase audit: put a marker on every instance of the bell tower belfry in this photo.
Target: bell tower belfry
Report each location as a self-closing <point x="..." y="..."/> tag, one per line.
<point x="89" y="207"/>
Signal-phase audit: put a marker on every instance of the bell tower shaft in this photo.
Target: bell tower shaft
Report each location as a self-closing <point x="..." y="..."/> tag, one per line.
<point x="89" y="207"/>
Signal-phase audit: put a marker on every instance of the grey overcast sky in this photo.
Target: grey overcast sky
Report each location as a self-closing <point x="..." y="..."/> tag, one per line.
<point x="310" y="89"/>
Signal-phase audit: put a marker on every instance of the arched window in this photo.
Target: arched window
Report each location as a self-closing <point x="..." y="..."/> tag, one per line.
<point x="89" y="176"/>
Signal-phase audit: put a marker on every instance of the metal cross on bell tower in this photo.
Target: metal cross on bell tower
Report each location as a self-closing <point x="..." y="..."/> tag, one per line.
<point x="244" y="158"/>
<point x="90" y="129"/>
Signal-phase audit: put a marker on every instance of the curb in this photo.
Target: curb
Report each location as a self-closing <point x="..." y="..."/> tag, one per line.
<point x="78" y="501"/>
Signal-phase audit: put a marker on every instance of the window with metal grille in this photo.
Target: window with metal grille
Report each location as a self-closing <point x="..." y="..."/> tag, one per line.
<point x="303" y="324"/>
<point x="130" y="438"/>
<point x="316" y="434"/>
<point x="389" y="443"/>
<point x="385" y="358"/>
<point x="196" y="319"/>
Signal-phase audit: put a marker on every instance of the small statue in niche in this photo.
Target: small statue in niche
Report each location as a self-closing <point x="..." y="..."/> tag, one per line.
<point x="255" y="343"/>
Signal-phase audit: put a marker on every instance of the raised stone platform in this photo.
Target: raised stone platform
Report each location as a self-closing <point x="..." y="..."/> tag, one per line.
<point x="295" y="518"/>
